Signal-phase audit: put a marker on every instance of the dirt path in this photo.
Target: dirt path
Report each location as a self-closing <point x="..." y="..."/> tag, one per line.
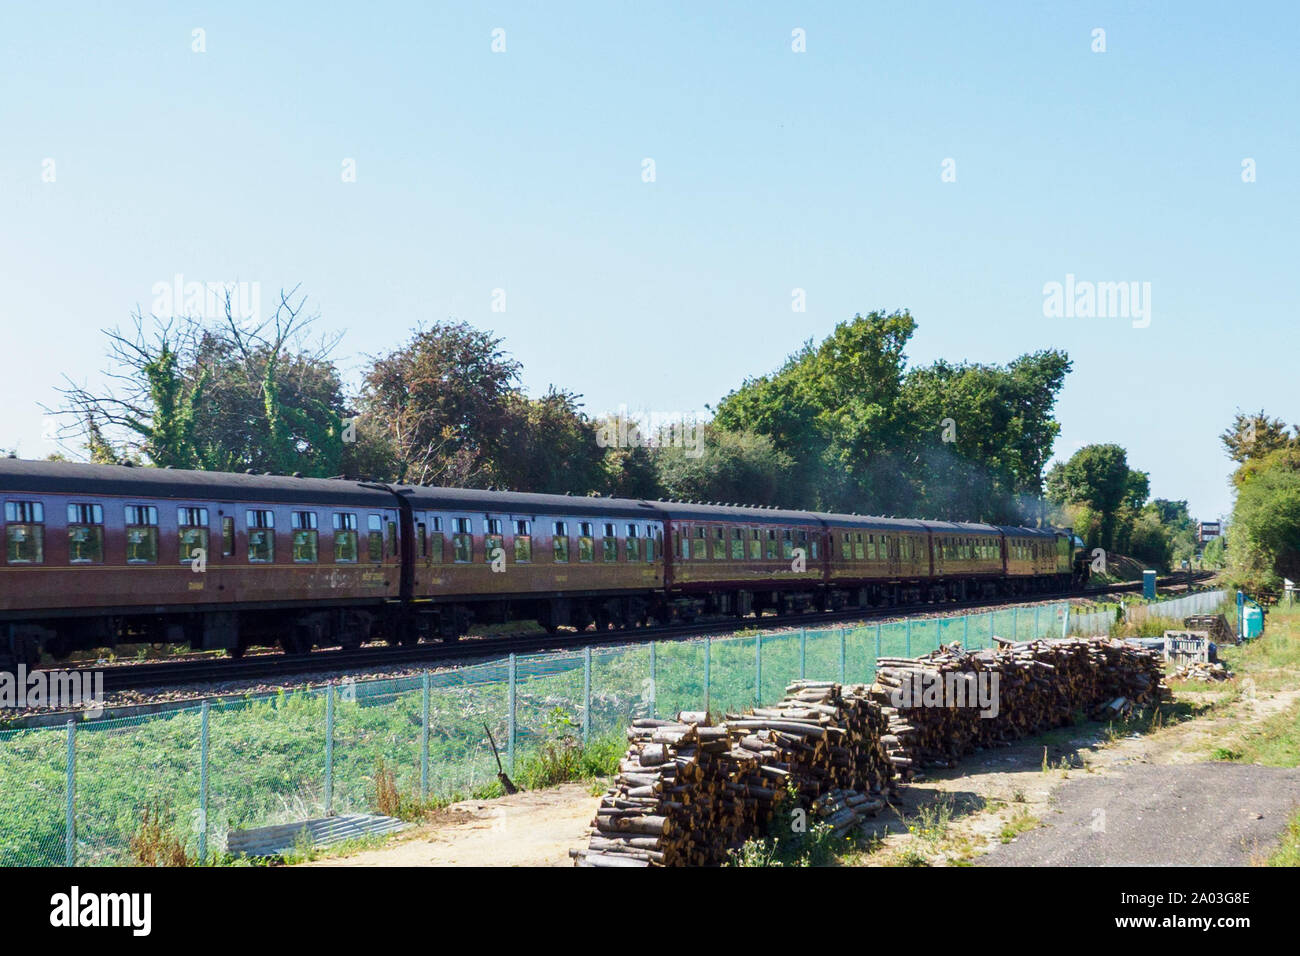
<point x="527" y="829"/>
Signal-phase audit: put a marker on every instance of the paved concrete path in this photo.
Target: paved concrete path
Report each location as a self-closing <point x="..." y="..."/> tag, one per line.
<point x="1196" y="814"/>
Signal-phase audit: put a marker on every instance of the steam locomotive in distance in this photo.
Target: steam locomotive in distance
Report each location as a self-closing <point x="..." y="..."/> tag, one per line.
<point x="99" y="555"/>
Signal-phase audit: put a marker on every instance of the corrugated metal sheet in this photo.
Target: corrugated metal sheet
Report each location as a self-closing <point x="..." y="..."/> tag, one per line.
<point x="325" y="831"/>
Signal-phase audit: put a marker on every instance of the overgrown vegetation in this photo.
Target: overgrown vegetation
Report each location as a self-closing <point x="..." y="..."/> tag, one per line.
<point x="155" y="842"/>
<point x="793" y="839"/>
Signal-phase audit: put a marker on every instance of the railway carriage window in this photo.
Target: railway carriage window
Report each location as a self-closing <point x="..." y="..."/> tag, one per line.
<point x="345" y="538"/>
<point x="755" y="545"/>
<point x="227" y="537"/>
<point x="261" y="537"/>
<point x="305" y="542"/>
<point x="737" y="545"/>
<point x="871" y="547"/>
<point x="493" y="539"/>
<point x="719" y="544"/>
<point x="523" y="542"/>
<point x="813" y="545"/>
<point x="859" y="552"/>
<point x="649" y="543"/>
<point x="141" y="534"/>
<point x="633" y="544"/>
<point x="700" y="549"/>
<point x="392" y="539"/>
<point x="25" y="532"/>
<point x="422" y="538"/>
<point x="769" y="551"/>
<point x="435" y="541"/>
<point x="375" y="538"/>
<point x="192" y="524"/>
<point x="586" y="542"/>
<point x="609" y="546"/>
<point x="787" y="544"/>
<point x="462" y="540"/>
<point x="846" y="548"/>
<point x="560" y="542"/>
<point x="85" y="534"/>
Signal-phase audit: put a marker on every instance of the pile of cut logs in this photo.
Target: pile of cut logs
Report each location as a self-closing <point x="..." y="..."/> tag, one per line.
<point x="1039" y="685"/>
<point x="688" y="792"/>
<point x="1201" y="670"/>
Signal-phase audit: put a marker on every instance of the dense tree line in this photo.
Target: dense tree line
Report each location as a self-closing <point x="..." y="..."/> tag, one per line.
<point x="842" y="425"/>
<point x="1107" y="503"/>
<point x="1263" y="536"/>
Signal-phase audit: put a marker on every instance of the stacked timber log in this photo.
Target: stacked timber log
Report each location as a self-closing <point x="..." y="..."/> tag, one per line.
<point x="953" y="701"/>
<point x="687" y="792"/>
<point x="1201" y="671"/>
<point x="845" y="810"/>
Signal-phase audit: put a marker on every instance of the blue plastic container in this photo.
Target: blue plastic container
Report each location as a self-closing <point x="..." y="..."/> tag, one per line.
<point x="1253" y="623"/>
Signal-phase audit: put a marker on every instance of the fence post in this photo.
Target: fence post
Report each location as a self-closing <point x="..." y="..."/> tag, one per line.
<point x="654" y="681"/>
<point x="203" y="784"/>
<point x="424" y="741"/>
<point x="909" y="638"/>
<point x="965" y="631"/>
<point x="329" y="751"/>
<point x="70" y="850"/>
<point x="708" y="660"/>
<point x="586" y="695"/>
<point x="877" y="660"/>
<point x="803" y="651"/>
<point x="1015" y="623"/>
<point x="843" y="651"/>
<point x="1037" y="608"/>
<point x="758" y="668"/>
<point x="510" y="717"/>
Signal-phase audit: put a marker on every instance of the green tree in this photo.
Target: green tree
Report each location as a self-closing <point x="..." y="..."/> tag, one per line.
<point x="834" y="410"/>
<point x="1264" y="542"/>
<point x="1099" y="477"/>
<point x="1255" y="436"/>
<point x="553" y="447"/>
<point x="215" y="397"/>
<point x="728" y="467"/>
<point x="447" y="405"/>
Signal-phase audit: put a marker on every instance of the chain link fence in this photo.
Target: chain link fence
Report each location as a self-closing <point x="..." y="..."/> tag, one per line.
<point x="79" y="795"/>
<point x="1095" y="623"/>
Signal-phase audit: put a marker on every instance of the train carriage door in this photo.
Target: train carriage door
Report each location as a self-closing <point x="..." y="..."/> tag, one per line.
<point x="225" y="546"/>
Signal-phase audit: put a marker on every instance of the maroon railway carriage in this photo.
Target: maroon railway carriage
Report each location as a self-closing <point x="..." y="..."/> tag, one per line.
<point x="966" y="560"/>
<point x="101" y="554"/>
<point x="560" y="560"/>
<point x="1037" y="560"/>
<point x="728" y="559"/>
<point x="876" y="561"/>
<point x="97" y="555"/>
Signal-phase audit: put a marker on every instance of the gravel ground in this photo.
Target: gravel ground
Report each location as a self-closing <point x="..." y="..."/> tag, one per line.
<point x="1205" y="814"/>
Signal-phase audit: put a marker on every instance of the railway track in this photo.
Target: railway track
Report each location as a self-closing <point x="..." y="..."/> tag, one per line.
<point x="153" y="675"/>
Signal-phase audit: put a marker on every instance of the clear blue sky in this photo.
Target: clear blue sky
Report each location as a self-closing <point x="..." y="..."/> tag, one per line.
<point x="775" y="170"/>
